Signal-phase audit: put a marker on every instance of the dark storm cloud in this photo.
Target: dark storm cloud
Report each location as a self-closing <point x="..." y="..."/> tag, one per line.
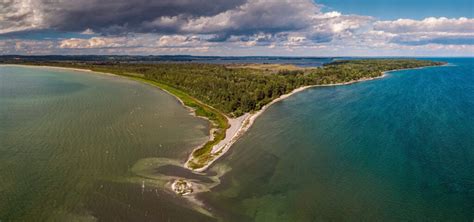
<point x="255" y="17"/>
<point x="118" y="16"/>
<point x="219" y="19"/>
<point x="14" y="17"/>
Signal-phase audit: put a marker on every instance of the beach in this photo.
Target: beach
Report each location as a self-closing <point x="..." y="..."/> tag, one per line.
<point x="239" y="126"/>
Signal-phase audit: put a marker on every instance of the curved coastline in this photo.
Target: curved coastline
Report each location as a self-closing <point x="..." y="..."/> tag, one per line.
<point x="237" y="126"/>
<point x="245" y="121"/>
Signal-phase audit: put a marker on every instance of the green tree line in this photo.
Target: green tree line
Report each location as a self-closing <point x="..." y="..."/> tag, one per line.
<point x="235" y="91"/>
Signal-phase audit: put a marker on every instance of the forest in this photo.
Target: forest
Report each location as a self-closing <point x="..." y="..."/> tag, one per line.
<point x="235" y="90"/>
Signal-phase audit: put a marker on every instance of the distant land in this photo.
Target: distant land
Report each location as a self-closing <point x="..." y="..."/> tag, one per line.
<point x="170" y="58"/>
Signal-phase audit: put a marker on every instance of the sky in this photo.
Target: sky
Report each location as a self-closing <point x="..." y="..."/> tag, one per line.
<point x="395" y="9"/>
<point x="238" y="27"/>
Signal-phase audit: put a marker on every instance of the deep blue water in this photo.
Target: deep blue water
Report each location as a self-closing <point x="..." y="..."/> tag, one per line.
<point x="394" y="149"/>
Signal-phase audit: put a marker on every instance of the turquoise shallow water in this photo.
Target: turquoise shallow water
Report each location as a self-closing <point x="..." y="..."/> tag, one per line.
<point x="395" y="149"/>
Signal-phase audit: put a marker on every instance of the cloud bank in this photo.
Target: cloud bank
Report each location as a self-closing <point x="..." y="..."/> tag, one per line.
<point x="297" y="27"/>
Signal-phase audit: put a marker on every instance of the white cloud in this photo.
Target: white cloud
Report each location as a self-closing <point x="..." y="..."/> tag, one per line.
<point x="136" y="44"/>
<point x="94" y="42"/>
<point x="442" y="24"/>
<point x="88" y="32"/>
<point x="442" y="31"/>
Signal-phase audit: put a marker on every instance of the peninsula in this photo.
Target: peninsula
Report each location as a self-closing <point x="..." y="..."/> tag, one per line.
<point x="231" y="96"/>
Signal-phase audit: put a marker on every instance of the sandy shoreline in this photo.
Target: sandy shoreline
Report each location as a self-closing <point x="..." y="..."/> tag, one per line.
<point x="239" y="125"/>
<point x="243" y="123"/>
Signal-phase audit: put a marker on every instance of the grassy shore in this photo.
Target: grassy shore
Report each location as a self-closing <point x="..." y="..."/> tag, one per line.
<point x="202" y="155"/>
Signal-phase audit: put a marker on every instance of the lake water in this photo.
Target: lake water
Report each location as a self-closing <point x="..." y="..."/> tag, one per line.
<point x="68" y="141"/>
<point x="84" y="147"/>
<point x="395" y="149"/>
